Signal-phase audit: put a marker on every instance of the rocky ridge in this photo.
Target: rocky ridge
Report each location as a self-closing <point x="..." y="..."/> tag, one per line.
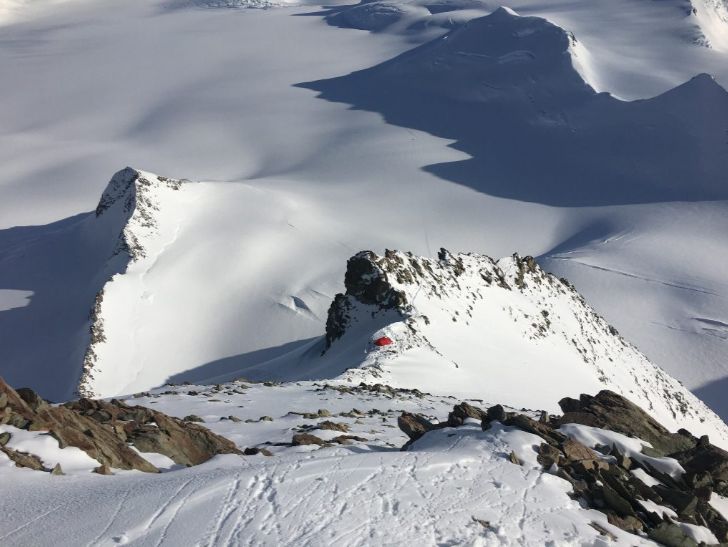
<point x="414" y="300"/>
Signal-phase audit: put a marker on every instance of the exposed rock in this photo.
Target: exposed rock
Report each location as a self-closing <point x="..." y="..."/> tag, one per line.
<point x="253" y="451"/>
<point x="463" y="411"/>
<point x="545" y="431"/>
<point x="548" y="455"/>
<point x="23" y="459"/>
<point x="670" y="535"/>
<point x="57" y="470"/>
<point x="611" y="411"/>
<point x="414" y="425"/>
<point x="602" y="480"/>
<point x="366" y="281"/>
<point x="105" y="429"/>
<point x="705" y="465"/>
<point x="346" y="439"/>
<point x="333" y="426"/>
<point x="575" y="451"/>
<point x="301" y="439"/>
<point x="629" y="524"/>
<point x="193" y="418"/>
<point x="185" y="443"/>
<point x="103" y="470"/>
<point x="234" y="419"/>
<point x="33" y="400"/>
<point x="4" y="438"/>
<point x="495" y="414"/>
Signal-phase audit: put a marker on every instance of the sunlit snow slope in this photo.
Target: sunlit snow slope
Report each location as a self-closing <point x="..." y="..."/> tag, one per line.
<point x="236" y="272"/>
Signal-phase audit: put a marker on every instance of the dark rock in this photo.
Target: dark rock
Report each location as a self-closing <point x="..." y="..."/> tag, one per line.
<point x="366" y="281"/>
<point x="622" y="461"/>
<point x="702" y="459"/>
<point x="57" y="470"/>
<point x="545" y="431"/>
<point x="33" y="400"/>
<point x="104" y="429"/>
<point x="616" y="501"/>
<point x="255" y="451"/>
<point x="494" y="414"/>
<point x="670" y="535"/>
<point x="4" y="438"/>
<point x="193" y="418"/>
<point x="463" y="411"/>
<point x="347" y="439"/>
<point x="630" y="524"/>
<point x="513" y="458"/>
<point x="234" y="419"/>
<point x="685" y="503"/>
<point x="603" y="531"/>
<point x="548" y="455"/>
<point x="301" y="439"/>
<point x="611" y="411"/>
<point x="333" y="426"/>
<point x="414" y="425"/>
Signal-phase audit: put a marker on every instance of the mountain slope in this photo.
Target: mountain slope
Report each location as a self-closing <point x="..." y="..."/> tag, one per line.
<point x="502" y="331"/>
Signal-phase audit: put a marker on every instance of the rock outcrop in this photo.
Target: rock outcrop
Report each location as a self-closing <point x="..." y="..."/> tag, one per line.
<point x="105" y="430"/>
<point x="606" y="479"/>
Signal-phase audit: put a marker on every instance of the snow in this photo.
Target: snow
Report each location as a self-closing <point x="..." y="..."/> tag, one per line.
<point x="720" y="504"/>
<point x="642" y="475"/>
<point x="630" y="447"/>
<point x="284" y="190"/>
<point x="367" y="493"/>
<point x="699" y="533"/>
<point x="238" y="270"/>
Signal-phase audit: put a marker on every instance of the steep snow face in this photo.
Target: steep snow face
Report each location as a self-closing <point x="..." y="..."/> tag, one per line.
<point x="501" y="330"/>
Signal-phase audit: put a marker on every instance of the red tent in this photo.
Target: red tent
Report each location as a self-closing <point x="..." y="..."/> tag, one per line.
<point x="383" y="341"/>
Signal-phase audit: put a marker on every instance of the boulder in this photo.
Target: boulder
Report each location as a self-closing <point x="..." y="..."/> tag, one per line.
<point x="414" y="425"/>
<point x="185" y="443"/>
<point x="463" y="411"/>
<point x="333" y="426"/>
<point x="301" y="439"/>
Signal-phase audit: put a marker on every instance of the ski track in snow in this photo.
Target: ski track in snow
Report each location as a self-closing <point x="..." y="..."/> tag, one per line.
<point x="635" y="276"/>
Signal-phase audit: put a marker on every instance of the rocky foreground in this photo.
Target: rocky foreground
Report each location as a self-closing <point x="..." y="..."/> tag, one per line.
<point x="634" y="490"/>
<point x="614" y="457"/>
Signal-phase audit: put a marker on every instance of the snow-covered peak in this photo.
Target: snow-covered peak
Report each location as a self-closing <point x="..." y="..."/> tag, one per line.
<point x="502" y="330"/>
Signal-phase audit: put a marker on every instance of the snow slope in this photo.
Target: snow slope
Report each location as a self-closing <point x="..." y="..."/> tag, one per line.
<point x="62" y="137"/>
